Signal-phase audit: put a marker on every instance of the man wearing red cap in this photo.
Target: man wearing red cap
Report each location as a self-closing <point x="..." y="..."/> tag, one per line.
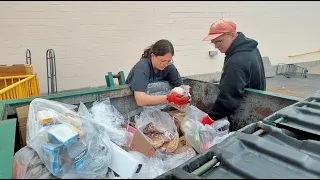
<point x="243" y="67"/>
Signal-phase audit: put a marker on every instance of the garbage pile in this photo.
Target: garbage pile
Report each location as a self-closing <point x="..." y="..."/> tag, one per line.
<point x="99" y="143"/>
<point x="66" y="141"/>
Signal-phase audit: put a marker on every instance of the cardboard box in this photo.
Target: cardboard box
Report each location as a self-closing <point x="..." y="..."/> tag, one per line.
<point x="138" y="143"/>
<point x="178" y="117"/>
<point x="16" y="70"/>
<point x="22" y="113"/>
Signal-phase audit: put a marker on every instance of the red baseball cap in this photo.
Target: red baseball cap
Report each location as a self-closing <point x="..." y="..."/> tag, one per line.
<point x="220" y="27"/>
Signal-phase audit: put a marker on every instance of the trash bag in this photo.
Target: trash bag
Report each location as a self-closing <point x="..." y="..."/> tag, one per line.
<point x="159" y="129"/>
<point x="67" y="143"/>
<point x="108" y="119"/>
<point x="28" y="165"/>
<point x="200" y="136"/>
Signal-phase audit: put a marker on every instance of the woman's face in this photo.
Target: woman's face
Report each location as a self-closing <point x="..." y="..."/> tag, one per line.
<point x="161" y="62"/>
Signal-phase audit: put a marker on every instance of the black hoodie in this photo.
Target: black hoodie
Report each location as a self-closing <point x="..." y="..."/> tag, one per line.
<point x="243" y="68"/>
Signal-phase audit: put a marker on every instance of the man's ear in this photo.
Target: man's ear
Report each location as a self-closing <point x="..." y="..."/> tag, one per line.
<point x="234" y="35"/>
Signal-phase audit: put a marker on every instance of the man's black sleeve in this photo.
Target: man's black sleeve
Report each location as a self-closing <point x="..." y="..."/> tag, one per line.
<point x="232" y="87"/>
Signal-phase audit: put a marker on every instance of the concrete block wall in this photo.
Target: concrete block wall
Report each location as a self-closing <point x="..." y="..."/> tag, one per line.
<point x="93" y="38"/>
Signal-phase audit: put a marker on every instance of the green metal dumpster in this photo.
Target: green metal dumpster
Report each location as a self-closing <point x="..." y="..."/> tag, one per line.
<point x="255" y="106"/>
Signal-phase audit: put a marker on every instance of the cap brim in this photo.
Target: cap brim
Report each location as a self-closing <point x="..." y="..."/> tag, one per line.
<point x="212" y="36"/>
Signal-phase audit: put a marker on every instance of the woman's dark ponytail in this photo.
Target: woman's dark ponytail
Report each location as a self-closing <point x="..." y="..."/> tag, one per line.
<point x="147" y="52"/>
<point x="160" y="48"/>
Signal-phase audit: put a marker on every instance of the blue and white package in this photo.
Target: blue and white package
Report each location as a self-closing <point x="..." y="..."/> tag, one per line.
<point x="78" y="153"/>
<point x="52" y="157"/>
<point x="62" y="134"/>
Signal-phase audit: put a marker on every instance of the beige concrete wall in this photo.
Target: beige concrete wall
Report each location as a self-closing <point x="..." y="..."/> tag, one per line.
<point x="92" y="38"/>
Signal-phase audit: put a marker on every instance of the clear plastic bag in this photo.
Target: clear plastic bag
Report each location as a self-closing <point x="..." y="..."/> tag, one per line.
<point x="28" y="165"/>
<point x="200" y="136"/>
<point x="108" y="119"/>
<point x="194" y="113"/>
<point x="46" y="110"/>
<point x="159" y="129"/>
<point x="183" y="90"/>
<point x="67" y="143"/>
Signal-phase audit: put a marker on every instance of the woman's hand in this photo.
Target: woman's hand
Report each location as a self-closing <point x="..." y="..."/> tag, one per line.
<point x="177" y="99"/>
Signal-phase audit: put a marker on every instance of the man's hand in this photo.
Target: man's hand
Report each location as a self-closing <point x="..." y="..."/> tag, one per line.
<point x="207" y="120"/>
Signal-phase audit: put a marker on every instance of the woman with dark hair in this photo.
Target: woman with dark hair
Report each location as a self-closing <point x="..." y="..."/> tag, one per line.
<point x="156" y="64"/>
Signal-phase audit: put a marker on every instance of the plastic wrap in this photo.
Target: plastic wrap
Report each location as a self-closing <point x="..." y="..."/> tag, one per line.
<point x="159" y="129"/>
<point x="28" y="165"/>
<point x="200" y="136"/>
<point x="108" y="119"/>
<point x="160" y="163"/>
<point x="158" y="88"/>
<point x="67" y="143"/>
<point x="151" y="168"/>
<point x="219" y="139"/>
<point x="173" y="160"/>
<point x="183" y="90"/>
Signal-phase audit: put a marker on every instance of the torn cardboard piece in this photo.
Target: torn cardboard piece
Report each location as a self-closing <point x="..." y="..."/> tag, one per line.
<point x="22" y="113"/>
<point x="138" y="142"/>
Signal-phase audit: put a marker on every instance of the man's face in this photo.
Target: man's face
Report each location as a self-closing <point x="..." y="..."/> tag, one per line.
<point x="223" y="42"/>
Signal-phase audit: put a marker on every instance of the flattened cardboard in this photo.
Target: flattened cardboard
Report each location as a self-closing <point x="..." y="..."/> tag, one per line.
<point x="16" y="70"/>
<point x="139" y="143"/>
<point x="22" y="113"/>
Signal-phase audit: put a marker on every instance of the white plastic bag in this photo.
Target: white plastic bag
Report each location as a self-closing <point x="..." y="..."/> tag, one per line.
<point x="66" y="142"/>
<point x="159" y="129"/>
<point x="108" y="119"/>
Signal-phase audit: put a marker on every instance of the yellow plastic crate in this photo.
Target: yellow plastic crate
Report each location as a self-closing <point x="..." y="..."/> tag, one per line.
<point x="16" y="87"/>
